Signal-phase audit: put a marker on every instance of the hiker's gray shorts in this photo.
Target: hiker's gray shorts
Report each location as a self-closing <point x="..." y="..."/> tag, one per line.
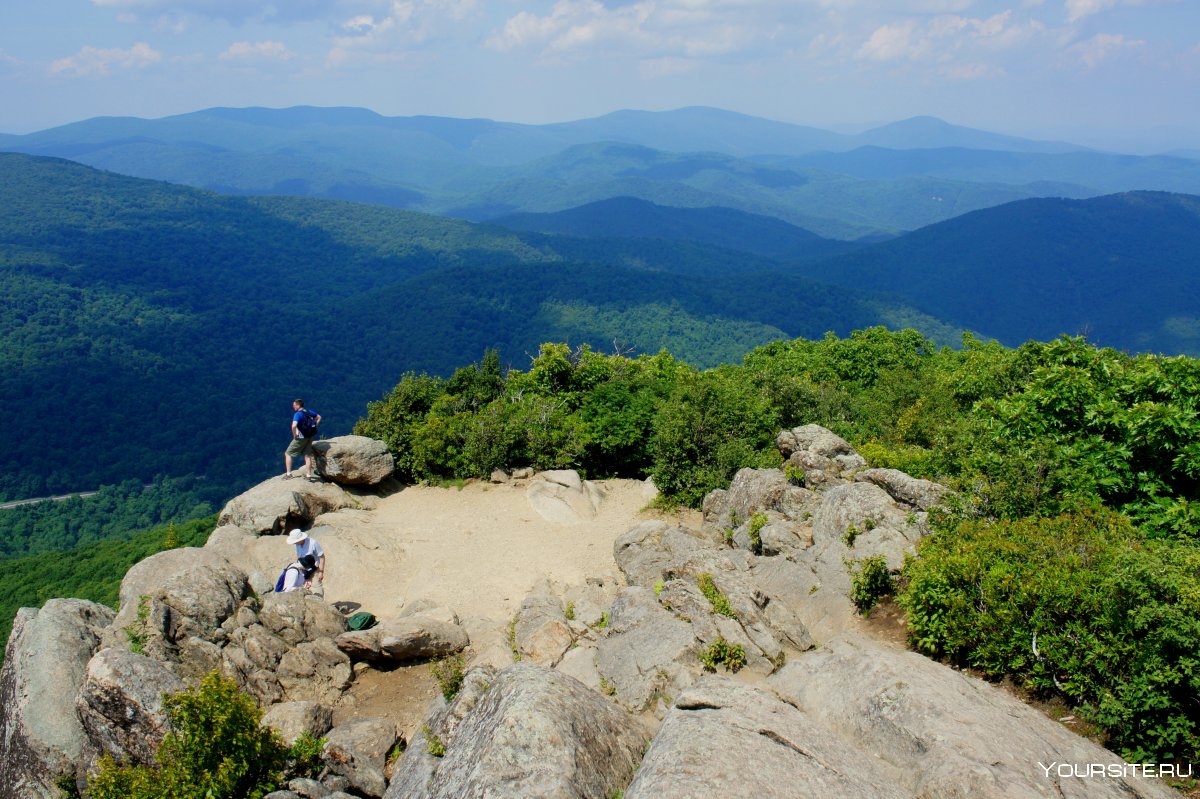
<point x="300" y="446"/>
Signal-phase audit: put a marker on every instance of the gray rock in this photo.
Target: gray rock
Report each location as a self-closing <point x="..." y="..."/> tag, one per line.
<point x="881" y="527"/>
<point x="560" y="496"/>
<point x="727" y="739"/>
<point x="499" y="477"/>
<point x="416" y="637"/>
<point x="315" y="671"/>
<point x="120" y="706"/>
<point x="189" y="592"/>
<point x="541" y="633"/>
<point x="293" y="719"/>
<point x="820" y="442"/>
<point x="277" y="505"/>
<point x="647" y="652"/>
<point x="358" y="750"/>
<point x="533" y="733"/>
<point x="282" y="795"/>
<point x="947" y="735"/>
<point x="649" y="550"/>
<point x="921" y="494"/>
<point x="296" y="617"/>
<point x="309" y="789"/>
<point x="754" y="491"/>
<point x="45" y="662"/>
<point x="354" y="460"/>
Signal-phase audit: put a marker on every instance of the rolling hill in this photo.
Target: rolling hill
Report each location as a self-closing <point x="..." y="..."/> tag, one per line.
<point x="1122" y="269"/>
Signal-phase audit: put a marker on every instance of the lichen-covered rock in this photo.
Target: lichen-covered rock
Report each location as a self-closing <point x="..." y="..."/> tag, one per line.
<point x="532" y="734"/>
<point x="293" y="719"/>
<point x="176" y="594"/>
<point x="920" y="494"/>
<point x="354" y="460"/>
<point x="647" y="651"/>
<point x="648" y="550"/>
<point x="358" y="751"/>
<point x="946" y="734"/>
<point x="296" y="617"/>
<point x="120" y="706"/>
<point x="727" y="739"/>
<point x="45" y="662"/>
<point x="277" y="505"/>
<point x="316" y="671"/>
<point x="541" y="633"/>
<point x="820" y="443"/>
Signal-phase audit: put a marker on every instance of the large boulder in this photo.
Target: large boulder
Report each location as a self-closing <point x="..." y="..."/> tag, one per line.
<point x="407" y="638"/>
<point x="754" y="491"/>
<point x="297" y="617"/>
<point x="947" y="735"/>
<point x="354" y="460"/>
<point x="647" y="653"/>
<point x="358" y="750"/>
<point x="820" y="447"/>
<point x="867" y="521"/>
<point x="727" y="739"/>
<point x="533" y="733"/>
<point x="561" y="496"/>
<point x="121" y="705"/>
<point x="541" y="633"/>
<point x="648" y="551"/>
<point x="45" y="662"/>
<point x="175" y="604"/>
<point x="277" y="505"/>
<point x="317" y="671"/>
<point x="920" y="494"/>
<point x="293" y="719"/>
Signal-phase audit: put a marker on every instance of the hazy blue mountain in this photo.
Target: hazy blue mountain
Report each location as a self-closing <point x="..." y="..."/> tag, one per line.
<point x="692" y="157"/>
<point x="1122" y="269"/>
<point x="826" y="203"/>
<point x="726" y="228"/>
<point x="925" y="132"/>
<point x="1075" y="174"/>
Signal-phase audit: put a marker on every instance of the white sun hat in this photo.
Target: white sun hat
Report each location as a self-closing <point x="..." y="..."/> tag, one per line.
<point x="296" y="536"/>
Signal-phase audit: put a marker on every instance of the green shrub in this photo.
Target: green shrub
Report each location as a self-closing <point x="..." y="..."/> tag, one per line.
<point x="719" y="602"/>
<point x="722" y="653"/>
<point x="1079" y="605"/>
<point x="304" y="756"/>
<point x="448" y="672"/>
<point x="870" y="581"/>
<point x="433" y="744"/>
<point x="215" y="749"/>
<point x="757" y="522"/>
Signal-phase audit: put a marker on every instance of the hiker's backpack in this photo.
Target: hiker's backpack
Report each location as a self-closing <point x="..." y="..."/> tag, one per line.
<point x="361" y="621"/>
<point x="282" y="578"/>
<point x="307" y="423"/>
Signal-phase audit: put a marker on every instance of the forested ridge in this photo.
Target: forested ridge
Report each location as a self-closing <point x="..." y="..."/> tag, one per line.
<point x="156" y="329"/>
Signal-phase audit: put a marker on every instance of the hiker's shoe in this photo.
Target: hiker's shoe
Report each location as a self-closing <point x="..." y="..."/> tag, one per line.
<point x="288" y="476"/>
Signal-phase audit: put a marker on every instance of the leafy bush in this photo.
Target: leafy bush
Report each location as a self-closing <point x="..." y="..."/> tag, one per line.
<point x="1078" y="605"/>
<point x="215" y="749"/>
<point x="722" y="653"/>
<point x="718" y="600"/>
<point x="304" y="756"/>
<point x="870" y="581"/>
<point x="448" y="672"/>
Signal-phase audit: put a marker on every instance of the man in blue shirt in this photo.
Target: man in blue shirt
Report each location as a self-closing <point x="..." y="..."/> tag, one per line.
<point x="304" y="432"/>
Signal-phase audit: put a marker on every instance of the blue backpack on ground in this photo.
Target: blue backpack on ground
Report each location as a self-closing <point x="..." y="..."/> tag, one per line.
<point x="307" y="424"/>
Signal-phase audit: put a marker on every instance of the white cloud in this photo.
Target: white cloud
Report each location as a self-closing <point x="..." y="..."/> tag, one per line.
<point x="95" y="61"/>
<point x="404" y="25"/>
<point x="1101" y="46"/>
<point x="257" y="51"/>
<point x="1078" y="9"/>
<point x="948" y="37"/>
<point x="235" y="11"/>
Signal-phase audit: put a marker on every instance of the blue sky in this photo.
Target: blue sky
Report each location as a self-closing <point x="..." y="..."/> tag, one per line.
<point x="1121" y="73"/>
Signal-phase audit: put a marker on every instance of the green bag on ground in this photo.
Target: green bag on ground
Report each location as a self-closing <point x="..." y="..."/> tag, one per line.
<point x="362" y="621"/>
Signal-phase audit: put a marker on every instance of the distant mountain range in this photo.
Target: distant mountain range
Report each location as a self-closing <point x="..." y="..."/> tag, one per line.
<point x="887" y="180"/>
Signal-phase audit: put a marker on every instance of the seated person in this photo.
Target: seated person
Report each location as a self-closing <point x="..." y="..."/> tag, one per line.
<point x="299" y="574"/>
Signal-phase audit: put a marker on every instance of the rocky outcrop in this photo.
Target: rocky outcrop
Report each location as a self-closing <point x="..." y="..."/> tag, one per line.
<point x="561" y="496"/>
<point x="354" y="460"/>
<point x="358" y="751"/>
<point x="726" y="739"/>
<point x="294" y="719"/>
<point x="945" y="734"/>
<point x="276" y="506"/>
<point x="45" y="662"/>
<point x="120" y="705"/>
<point x="529" y="733"/>
<point x="403" y="639"/>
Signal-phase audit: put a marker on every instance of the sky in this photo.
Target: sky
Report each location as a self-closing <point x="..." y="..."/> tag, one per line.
<point x="1118" y="73"/>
